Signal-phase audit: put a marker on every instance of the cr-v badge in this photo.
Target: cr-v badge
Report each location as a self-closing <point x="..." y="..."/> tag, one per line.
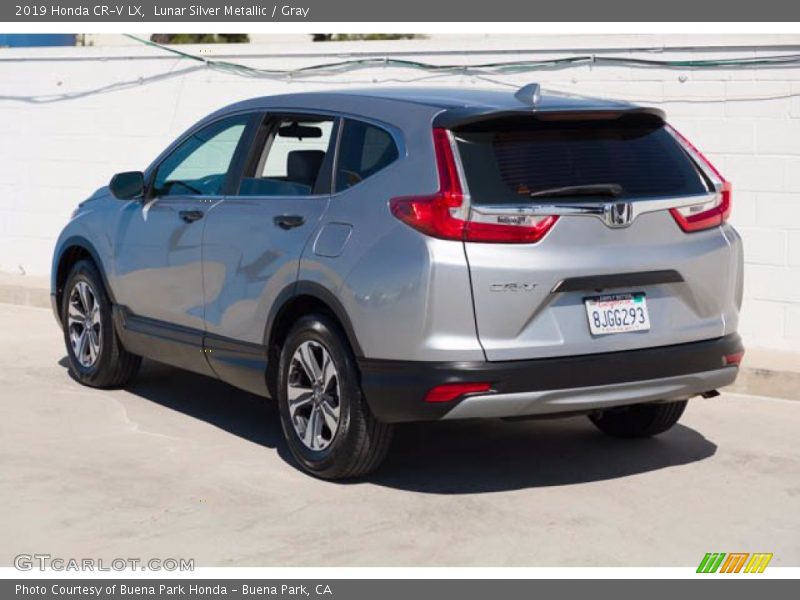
<point x="512" y="287"/>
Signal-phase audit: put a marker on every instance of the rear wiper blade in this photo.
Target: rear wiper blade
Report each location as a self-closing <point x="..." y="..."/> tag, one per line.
<point x="594" y="189"/>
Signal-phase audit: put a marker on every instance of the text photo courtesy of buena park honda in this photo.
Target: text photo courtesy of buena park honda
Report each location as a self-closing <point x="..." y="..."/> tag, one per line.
<point x="399" y="300"/>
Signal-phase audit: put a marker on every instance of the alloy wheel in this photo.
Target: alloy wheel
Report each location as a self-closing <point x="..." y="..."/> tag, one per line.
<point x="313" y="395"/>
<point x="83" y="321"/>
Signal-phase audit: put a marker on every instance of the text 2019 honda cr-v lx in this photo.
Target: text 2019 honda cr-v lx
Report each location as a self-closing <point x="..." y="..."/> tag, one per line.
<point x="369" y="257"/>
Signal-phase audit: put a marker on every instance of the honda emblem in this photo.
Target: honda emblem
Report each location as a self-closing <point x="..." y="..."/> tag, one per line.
<point x="618" y="214"/>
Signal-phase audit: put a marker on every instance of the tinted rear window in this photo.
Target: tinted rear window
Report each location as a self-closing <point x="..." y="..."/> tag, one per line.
<point x="363" y="151"/>
<point x="506" y="162"/>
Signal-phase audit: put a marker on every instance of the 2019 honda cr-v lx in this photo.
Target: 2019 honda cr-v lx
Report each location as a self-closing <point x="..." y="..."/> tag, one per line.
<point x="369" y="257"/>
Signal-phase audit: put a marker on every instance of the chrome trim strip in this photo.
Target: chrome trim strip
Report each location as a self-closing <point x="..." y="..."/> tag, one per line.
<point x="590" y="209"/>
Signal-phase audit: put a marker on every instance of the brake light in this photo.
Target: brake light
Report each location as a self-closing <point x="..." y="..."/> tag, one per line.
<point x="705" y="215"/>
<point x="447" y="392"/>
<point x="509" y="229"/>
<point x="444" y="215"/>
<point x="437" y="214"/>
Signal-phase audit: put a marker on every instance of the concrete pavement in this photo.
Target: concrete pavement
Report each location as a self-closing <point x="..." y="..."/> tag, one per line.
<point x="184" y="466"/>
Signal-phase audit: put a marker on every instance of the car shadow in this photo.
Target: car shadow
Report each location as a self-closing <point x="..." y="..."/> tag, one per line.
<point x="448" y="457"/>
<point x="245" y="415"/>
<point x="468" y="457"/>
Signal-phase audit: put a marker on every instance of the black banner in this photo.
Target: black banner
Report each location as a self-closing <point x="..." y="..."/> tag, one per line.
<point x="320" y="11"/>
<point x="731" y="588"/>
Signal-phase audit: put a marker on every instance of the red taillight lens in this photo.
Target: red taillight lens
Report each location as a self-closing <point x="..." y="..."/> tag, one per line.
<point x="511" y="234"/>
<point x="708" y="214"/>
<point x="442" y="215"/>
<point x="434" y="214"/>
<point x="704" y="216"/>
<point x="447" y="392"/>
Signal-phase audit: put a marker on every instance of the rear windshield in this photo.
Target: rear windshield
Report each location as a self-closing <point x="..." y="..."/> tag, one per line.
<point x="505" y="162"/>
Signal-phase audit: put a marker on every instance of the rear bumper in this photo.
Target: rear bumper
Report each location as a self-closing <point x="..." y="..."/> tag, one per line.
<point x="395" y="390"/>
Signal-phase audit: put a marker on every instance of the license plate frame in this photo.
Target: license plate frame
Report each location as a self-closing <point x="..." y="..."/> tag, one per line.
<point x="609" y="314"/>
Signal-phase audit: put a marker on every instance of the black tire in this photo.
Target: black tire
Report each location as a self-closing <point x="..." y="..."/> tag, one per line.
<point x="639" y="420"/>
<point x="113" y="366"/>
<point x="360" y="442"/>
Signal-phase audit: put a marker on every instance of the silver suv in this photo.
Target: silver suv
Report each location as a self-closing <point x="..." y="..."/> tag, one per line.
<point x="369" y="257"/>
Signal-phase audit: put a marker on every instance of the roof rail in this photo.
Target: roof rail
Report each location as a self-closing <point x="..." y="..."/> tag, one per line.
<point x="528" y="94"/>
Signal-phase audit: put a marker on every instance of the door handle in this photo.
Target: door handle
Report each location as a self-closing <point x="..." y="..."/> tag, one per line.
<point x="289" y="221"/>
<point x="190" y="216"/>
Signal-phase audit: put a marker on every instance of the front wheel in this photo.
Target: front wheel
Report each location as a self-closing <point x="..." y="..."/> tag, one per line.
<point x="639" y="420"/>
<point x="96" y="356"/>
<point x="328" y="425"/>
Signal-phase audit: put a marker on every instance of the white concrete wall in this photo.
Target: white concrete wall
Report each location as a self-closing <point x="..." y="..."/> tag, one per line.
<point x="71" y="117"/>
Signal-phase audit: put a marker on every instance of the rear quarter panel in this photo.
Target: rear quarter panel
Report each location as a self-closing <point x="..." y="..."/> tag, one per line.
<point x="407" y="296"/>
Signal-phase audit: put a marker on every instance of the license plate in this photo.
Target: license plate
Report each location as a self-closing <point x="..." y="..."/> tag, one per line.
<point x="617" y="313"/>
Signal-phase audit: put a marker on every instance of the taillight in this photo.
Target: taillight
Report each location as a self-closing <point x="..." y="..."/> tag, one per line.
<point x="437" y="214"/>
<point x="707" y="214"/>
<point x="443" y="214"/>
<point x="510" y="229"/>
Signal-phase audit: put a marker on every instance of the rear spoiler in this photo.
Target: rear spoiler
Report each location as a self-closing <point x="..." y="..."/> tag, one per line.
<point x="457" y="118"/>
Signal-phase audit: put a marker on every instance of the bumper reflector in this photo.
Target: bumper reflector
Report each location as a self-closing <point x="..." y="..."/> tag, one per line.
<point x="447" y="392"/>
<point x="733" y="359"/>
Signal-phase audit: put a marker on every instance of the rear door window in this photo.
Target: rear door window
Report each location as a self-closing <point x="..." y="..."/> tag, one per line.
<point x="506" y="162"/>
<point x="364" y="150"/>
<point x="292" y="158"/>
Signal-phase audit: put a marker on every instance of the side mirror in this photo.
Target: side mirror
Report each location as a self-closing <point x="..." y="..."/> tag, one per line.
<point x="128" y="185"/>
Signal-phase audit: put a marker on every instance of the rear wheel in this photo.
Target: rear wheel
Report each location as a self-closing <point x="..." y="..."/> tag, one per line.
<point x="327" y="423"/>
<point x="639" y="420"/>
<point x="96" y="356"/>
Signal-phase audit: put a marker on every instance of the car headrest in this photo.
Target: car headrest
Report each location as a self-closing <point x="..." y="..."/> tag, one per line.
<point x="302" y="166"/>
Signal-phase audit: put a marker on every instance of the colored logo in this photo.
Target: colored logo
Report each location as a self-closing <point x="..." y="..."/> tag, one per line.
<point x="735" y="562"/>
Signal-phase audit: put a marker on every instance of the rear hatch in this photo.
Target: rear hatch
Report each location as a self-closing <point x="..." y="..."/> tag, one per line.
<point x="590" y="233"/>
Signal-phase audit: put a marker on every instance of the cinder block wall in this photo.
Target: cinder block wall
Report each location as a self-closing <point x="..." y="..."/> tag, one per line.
<point x="71" y="117"/>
